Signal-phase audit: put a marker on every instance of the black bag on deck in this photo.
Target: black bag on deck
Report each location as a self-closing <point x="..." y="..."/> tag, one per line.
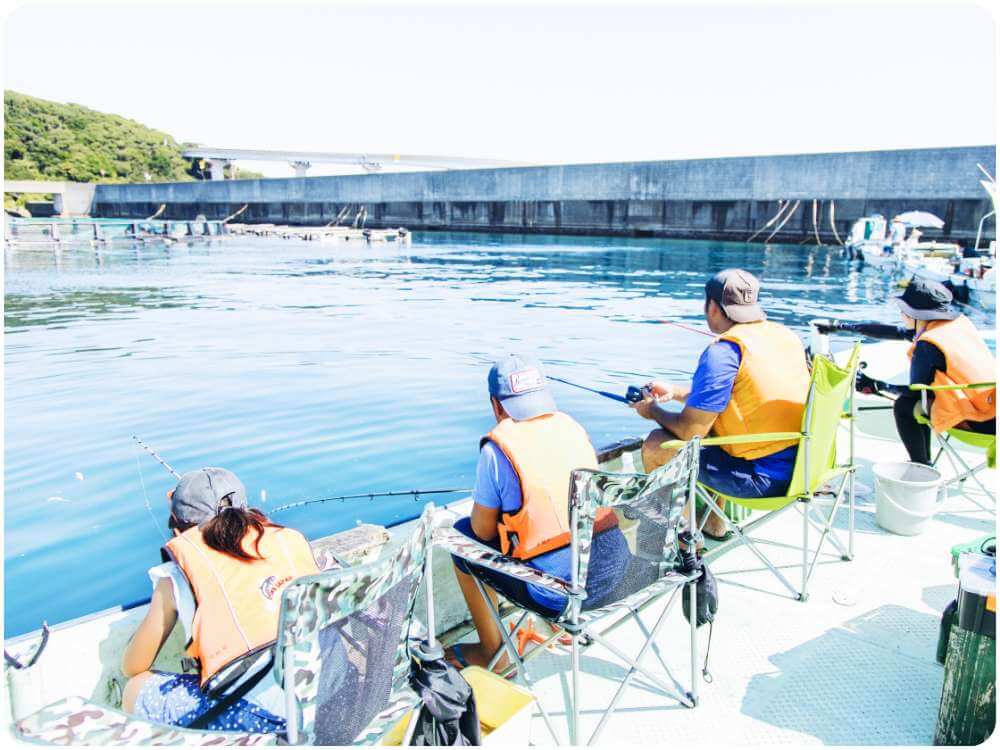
<point x="448" y="712"/>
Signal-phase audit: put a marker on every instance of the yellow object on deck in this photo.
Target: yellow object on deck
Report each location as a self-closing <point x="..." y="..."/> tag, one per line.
<point x="504" y="710"/>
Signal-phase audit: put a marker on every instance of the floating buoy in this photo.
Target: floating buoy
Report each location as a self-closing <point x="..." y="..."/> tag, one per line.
<point x="263" y="496"/>
<point x="79" y="475"/>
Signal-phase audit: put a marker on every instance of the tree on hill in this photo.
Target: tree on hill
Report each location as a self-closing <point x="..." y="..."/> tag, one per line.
<point x="51" y="141"/>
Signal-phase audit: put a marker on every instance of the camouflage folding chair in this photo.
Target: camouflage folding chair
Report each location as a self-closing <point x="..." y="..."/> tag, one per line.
<point x="816" y="470"/>
<point x="980" y="441"/>
<point x="648" y="510"/>
<point x="343" y="651"/>
<point x="342" y="655"/>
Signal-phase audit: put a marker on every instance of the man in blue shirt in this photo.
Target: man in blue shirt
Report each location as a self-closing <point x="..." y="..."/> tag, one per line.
<point x="731" y="309"/>
<point x="546" y="446"/>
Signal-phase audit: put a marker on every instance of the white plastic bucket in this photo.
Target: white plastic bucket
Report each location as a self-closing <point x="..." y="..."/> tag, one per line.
<point x="906" y="496"/>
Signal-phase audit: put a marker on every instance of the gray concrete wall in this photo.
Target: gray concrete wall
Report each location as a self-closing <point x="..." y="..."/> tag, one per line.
<point x="699" y="197"/>
<point x="69" y="198"/>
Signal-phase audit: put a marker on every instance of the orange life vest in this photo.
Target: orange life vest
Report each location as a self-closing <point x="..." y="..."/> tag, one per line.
<point x="967" y="360"/>
<point x="543" y="451"/>
<point x="237" y="602"/>
<point x="770" y="390"/>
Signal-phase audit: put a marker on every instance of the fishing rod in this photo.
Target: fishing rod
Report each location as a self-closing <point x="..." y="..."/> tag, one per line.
<point x="370" y="496"/>
<point x="156" y="455"/>
<point x="634" y="394"/>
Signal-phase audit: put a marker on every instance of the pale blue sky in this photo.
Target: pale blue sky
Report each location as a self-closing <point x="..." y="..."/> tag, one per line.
<point x="538" y="84"/>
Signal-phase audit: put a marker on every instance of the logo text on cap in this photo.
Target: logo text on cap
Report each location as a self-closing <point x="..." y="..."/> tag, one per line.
<point x="526" y="380"/>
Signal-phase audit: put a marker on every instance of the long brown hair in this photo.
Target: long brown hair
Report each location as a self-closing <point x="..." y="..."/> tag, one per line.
<point x="226" y="531"/>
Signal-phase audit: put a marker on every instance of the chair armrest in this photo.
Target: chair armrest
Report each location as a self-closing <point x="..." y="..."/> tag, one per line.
<point x="966" y="387"/>
<point x="78" y="721"/>
<point x="738" y="439"/>
<point x="458" y="544"/>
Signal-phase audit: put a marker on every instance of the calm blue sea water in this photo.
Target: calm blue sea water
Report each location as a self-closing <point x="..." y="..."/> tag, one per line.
<point x="313" y="370"/>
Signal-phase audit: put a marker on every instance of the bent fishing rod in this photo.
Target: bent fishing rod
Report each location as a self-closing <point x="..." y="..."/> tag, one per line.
<point x="369" y="495"/>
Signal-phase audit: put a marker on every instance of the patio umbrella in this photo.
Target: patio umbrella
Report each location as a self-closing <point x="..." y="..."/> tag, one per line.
<point x="919" y="219"/>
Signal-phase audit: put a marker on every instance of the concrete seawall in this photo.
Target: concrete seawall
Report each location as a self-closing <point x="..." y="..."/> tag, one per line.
<point x="726" y="198"/>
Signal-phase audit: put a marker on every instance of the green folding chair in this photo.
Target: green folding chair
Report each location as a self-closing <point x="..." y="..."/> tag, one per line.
<point x="985" y="442"/>
<point x="831" y="389"/>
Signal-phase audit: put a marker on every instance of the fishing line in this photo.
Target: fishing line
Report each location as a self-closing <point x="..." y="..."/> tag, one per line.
<point x="145" y="495"/>
<point x="686" y="327"/>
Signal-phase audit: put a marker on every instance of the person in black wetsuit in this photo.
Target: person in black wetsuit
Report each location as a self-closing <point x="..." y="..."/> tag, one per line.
<point x="946" y="349"/>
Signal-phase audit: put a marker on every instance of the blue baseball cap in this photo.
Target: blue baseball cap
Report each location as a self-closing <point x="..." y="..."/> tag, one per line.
<point x="519" y="384"/>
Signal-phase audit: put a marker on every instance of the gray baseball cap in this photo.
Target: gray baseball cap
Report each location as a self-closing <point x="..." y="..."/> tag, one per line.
<point x="200" y="494"/>
<point x="519" y="384"/>
<point x="736" y="292"/>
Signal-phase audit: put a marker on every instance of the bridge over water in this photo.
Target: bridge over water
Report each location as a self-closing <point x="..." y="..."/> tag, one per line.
<point x="218" y="159"/>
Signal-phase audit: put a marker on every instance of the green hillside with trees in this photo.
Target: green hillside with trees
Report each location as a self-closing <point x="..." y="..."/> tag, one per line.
<point x="51" y="141"/>
<point x="46" y="140"/>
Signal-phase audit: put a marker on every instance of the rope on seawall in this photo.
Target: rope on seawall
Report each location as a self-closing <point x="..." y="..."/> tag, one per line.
<point x="782" y="205"/>
<point x="160" y="210"/>
<point x="783" y="221"/>
<point x="233" y="216"/>
<point x="833" y="225"/>
<point x="815" y="217"/>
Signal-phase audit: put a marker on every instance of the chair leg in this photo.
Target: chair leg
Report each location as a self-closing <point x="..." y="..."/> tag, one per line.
<point x="803" y="594"/>
<point x="850" y="518"/>
<point x="634" y="666"/>
<point x="693" y="589"/>
<point x="743" y="538"/>
<point x="522" y="671"/>
<point x="963" y="472"/>
<point x="574" y="724"/>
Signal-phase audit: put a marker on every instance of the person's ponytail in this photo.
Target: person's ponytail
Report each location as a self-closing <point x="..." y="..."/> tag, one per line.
<point x="227" y="530"/>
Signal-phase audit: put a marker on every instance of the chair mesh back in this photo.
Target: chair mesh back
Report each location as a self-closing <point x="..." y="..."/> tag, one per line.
<point x="346" y="634"/>
<point x="357" y="670"/>
<point x="829" y="391"/>
<point x="639" y="544"/>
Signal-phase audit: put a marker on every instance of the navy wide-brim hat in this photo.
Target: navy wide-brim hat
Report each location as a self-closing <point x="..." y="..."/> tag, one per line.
<point x="927" y="300"/>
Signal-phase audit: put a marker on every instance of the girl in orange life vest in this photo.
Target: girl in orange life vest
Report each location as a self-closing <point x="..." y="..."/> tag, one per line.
<point x="230" y="564"/>
<point x="947" y="350"/>
<point x="752" y="379"/>
<point x="520" y="506"/>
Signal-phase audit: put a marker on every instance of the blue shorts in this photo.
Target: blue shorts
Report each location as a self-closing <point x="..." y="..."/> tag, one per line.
<point x="769" y="476"/>
<point x="609" y="561"/>
<point x="176" y="699"/>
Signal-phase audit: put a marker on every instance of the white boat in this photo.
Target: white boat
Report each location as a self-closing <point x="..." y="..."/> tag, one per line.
<point x="975" y="281"/>
<point x="868" y="241"/>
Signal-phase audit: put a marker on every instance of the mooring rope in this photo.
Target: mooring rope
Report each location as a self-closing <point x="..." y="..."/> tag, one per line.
<point x="833" y="225"/>
<point x="815" y="215"/>
<point x="160" y="210"/>
<point x="233" y="216"/>
<point x="782" y="205"/>
<point x="783" y="221"/>
<point x="343" y="212"/>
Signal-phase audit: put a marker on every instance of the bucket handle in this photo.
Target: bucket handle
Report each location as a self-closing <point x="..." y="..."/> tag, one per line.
<point x="913" y="513"/>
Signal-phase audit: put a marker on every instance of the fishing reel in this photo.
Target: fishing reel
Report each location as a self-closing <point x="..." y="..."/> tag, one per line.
<point x="634" y="394"/>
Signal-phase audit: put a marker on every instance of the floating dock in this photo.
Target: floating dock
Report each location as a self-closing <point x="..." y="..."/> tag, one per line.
<point x="323" y="234"/>
<point x="28" y="232"/>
